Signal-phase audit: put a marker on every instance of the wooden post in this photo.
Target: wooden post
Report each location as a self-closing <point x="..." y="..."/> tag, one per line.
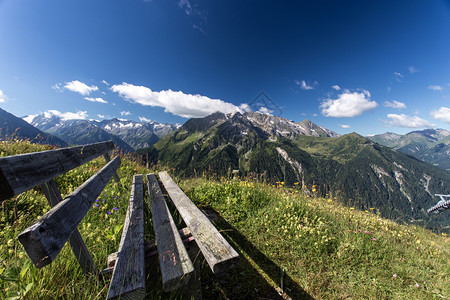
<point x="215" y="248"/>
<point x="85" y="260"/>
<point x="128" y="278"/>
<point x="176" y="267"/>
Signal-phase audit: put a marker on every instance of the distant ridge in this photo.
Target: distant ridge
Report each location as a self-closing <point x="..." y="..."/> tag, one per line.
<point x="127" y="135"/>
<point x="11" y="125"/>
<point x="429" y="145"/>
<point x="350" y="167"/>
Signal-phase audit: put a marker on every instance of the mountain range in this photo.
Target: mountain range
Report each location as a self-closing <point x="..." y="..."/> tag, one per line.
<point x="430" y="145"/>
<point x="12" y="126"/>
<point x="350" y="167"/>
<point x="126" y="135"/>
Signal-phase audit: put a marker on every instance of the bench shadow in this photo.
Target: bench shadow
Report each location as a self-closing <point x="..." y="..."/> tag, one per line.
<point x="244" y="281"/>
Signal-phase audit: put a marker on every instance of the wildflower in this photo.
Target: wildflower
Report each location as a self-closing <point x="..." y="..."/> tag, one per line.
<point x="366" y="232"/>
<point x="359" y="230"/>
<point x="417" y="285"/>
<point x="97" y="200"/>
<point x="418" y="242"/>
<point x="96" y="205"/>
<point x="109" y="212"/>
<point x="374" y="239"/>
<point x="444" y="234"/>
<point x="395" y="275"/>
<point x="115" y="208"/>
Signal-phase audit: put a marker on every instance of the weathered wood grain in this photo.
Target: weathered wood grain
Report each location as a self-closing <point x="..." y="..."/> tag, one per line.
<point x="44" y="239"/>
<point x="77" y="244"/>
<point x="22" y="172"/>
<point x="216" y="250"/>
<point x="150" y="246"/>
<point x="115" y="176"/>
<point x="128" y="278"/>
<point x="176" y="267"/>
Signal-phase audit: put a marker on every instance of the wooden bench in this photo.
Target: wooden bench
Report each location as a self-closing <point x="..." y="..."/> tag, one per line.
<point x="175" y="263"/>
<point x="44" y="239"/>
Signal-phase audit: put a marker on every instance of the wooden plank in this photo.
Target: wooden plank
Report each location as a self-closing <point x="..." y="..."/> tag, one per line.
<point x="150" y="246"/>
<point x="77" y="244"/>
<point x="115" y="176"/>
<point x="128" y="278"/>
<point x="176" y="267"/>
<point x="22" y="172"/>
<point x="216" y="250"/>
<point x="44" y="239"/>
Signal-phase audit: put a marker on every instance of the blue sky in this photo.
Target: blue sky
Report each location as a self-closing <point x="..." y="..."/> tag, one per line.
<point x="363" y="66"/>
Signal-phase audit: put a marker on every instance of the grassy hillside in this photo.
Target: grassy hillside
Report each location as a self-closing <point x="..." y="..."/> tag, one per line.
<point x="319" y="248"/>
<point x="306" y="245"/>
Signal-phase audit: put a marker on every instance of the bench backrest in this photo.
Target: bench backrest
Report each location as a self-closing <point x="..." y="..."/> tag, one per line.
<point x="20" y="173"/>
<point x="44" y="239"/>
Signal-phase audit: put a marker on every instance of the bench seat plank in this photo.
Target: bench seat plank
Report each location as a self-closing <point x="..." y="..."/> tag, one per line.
<point x="176" y="266"/>
<point x="20" y="173"/>
<point x="128" y="278"/>
<point x="45" y="238"/>
<point x="217" y="251"/>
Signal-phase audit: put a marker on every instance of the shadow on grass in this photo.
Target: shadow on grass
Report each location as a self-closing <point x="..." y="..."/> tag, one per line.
<point x="244" y="281"/>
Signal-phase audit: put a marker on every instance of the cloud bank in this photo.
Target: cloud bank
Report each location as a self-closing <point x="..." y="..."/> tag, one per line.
<point x="407" y="121"/>
<point x="304" y="86"/>
<point x="435" y="88"/>
<point x="99" y="100"/>
<point x="67" y="115"/>
<point x="442" y="114"/>
<point x="177" y="103"/>
<point x="2" y="97"/>
<point x="348" y="104"/>
<point x="80" y="87"/>
<point x="395" y="104"/>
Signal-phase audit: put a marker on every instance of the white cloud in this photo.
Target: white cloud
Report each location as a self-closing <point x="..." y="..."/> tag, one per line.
<point x="304" y="86"/>
<point x="265" y="110"/>
<point x="144" y="119"/>
<point x="398" y="76"/>
<point x="412" y="69"/>
<point x="105" y="82"/>
<point x="125" y="113"/>
<point x="395" y="104"/>
<point x="80" y="87"/>
<point x="442" y="114"/>
<point x="101" y="116"/>
<point x="186" y="6"/>
<point x="345" y="126"/>
<point x="407" y="121"/>
<point x="67" y="115"/>
<point x="336" y="87"/>
<point x="3" y="97"/>
<point x="99" y="100"/>
<point x="29" y="118"/>
<point x="57" y="87"/>
<point x="177" y="103"/>
<point x="435" y="88"/>
<point x="348" y="104"/>
<point x="244" y="107"/>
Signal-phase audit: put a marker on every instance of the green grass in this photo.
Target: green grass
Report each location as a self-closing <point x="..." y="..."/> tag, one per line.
<point x="327" y="250"/>
<point x="309" y="246"/>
